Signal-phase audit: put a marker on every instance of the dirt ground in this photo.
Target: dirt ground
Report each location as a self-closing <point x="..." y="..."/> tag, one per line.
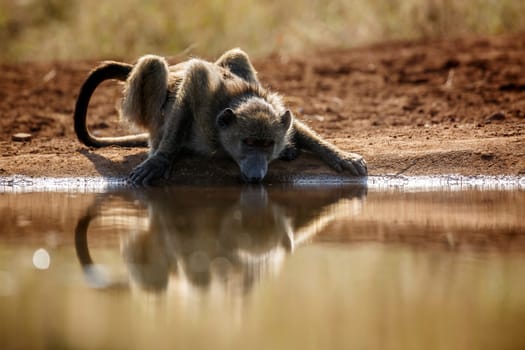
<point x="420" y="107"/>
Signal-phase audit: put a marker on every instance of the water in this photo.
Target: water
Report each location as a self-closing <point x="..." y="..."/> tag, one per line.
<point x="403" y="263"/>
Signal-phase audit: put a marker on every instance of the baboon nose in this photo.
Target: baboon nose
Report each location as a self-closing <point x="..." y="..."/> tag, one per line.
<point x="253" y="169"/>
<point x="252" y="179"/>
<point x="255" y="179"/>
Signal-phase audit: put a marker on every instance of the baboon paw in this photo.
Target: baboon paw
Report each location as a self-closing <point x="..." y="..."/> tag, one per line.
<point x="351" y="162"/>
<point x="146" y="173"/>
<point x="289" y="153"/>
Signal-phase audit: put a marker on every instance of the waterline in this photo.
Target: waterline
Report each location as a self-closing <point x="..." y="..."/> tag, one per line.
<point x="20" y="183"/>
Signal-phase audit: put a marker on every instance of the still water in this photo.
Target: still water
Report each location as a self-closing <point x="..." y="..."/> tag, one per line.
<point x="399" y="264"/>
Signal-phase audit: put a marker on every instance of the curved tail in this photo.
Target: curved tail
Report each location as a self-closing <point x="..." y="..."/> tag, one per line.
<point x="108" y="70"/>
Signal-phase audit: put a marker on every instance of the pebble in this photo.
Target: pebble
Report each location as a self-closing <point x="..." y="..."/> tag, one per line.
<point x="21" y="137"/>
<point x="487" y="155"/>
<point x="496" y="116"/>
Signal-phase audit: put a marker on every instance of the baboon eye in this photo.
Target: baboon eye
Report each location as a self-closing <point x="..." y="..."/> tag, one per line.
<point x="261" y="143"/>
<point x="266" y="143"/>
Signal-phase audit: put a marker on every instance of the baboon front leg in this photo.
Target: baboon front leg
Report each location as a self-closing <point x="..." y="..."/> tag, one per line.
<point x="290" y="152"/>
<point x="191" y="103"/>
<point x="237" y="62"/>
<point x="160" y="160"/>
<point x="339" y="160"/>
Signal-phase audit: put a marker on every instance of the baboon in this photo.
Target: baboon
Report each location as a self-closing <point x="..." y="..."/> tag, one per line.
<point x="211" y="109"/>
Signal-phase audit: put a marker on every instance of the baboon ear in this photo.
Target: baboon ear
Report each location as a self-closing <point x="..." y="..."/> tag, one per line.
<point x="226" y="118"/>
<point x="286" y="119"/>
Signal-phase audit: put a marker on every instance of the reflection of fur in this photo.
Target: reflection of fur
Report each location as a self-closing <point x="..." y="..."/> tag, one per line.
<point x="231" y="237"/>
<point x="206" y="108"/>
<point x="225" y="238"/>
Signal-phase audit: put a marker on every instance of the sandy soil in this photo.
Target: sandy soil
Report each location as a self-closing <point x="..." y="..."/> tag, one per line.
<point x="438" y="107"/>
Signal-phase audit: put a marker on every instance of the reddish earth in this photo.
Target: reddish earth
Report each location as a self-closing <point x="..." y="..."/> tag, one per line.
<point x="426" y="107"/>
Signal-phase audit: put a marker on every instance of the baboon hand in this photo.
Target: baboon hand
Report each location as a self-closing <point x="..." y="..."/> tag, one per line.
<point x="290" y="152"/>
<point x="150" y="170"/>
<point x="346" y="161"/>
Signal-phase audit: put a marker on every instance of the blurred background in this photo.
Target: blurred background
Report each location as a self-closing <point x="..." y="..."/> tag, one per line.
<point x="72" y="29"/>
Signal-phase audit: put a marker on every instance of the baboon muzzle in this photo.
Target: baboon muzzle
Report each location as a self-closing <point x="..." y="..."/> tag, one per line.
<point x="254" y="167"/>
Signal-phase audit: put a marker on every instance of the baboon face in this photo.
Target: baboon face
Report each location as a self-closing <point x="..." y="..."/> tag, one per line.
<point x="253" y="138"/>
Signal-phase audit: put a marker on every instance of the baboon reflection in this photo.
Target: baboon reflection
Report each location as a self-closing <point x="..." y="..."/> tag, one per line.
<point x="232" y="237"/>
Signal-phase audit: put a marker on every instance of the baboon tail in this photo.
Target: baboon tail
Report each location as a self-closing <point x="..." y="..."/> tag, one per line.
<point x="108" y="70"/>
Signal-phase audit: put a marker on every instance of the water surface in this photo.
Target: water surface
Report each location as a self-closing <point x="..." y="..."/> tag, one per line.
<point x="402" y="264"/>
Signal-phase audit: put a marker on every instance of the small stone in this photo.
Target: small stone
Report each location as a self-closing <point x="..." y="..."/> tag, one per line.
<point x="21" y="137"/>
<point x="487" y="156"/>
<point x="495" y="117"/>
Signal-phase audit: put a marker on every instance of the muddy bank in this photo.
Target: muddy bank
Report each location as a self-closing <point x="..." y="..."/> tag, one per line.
<point x="414" y="108"/>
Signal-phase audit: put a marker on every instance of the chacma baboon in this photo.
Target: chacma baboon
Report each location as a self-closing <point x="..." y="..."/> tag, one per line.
<point x="211" y="109"/>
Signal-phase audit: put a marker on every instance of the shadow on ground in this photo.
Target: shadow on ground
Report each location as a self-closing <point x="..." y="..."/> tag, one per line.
<point x="195" y="169"/>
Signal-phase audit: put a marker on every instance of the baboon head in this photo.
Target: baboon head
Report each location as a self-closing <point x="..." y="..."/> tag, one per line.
<point x="254" y="134"/>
